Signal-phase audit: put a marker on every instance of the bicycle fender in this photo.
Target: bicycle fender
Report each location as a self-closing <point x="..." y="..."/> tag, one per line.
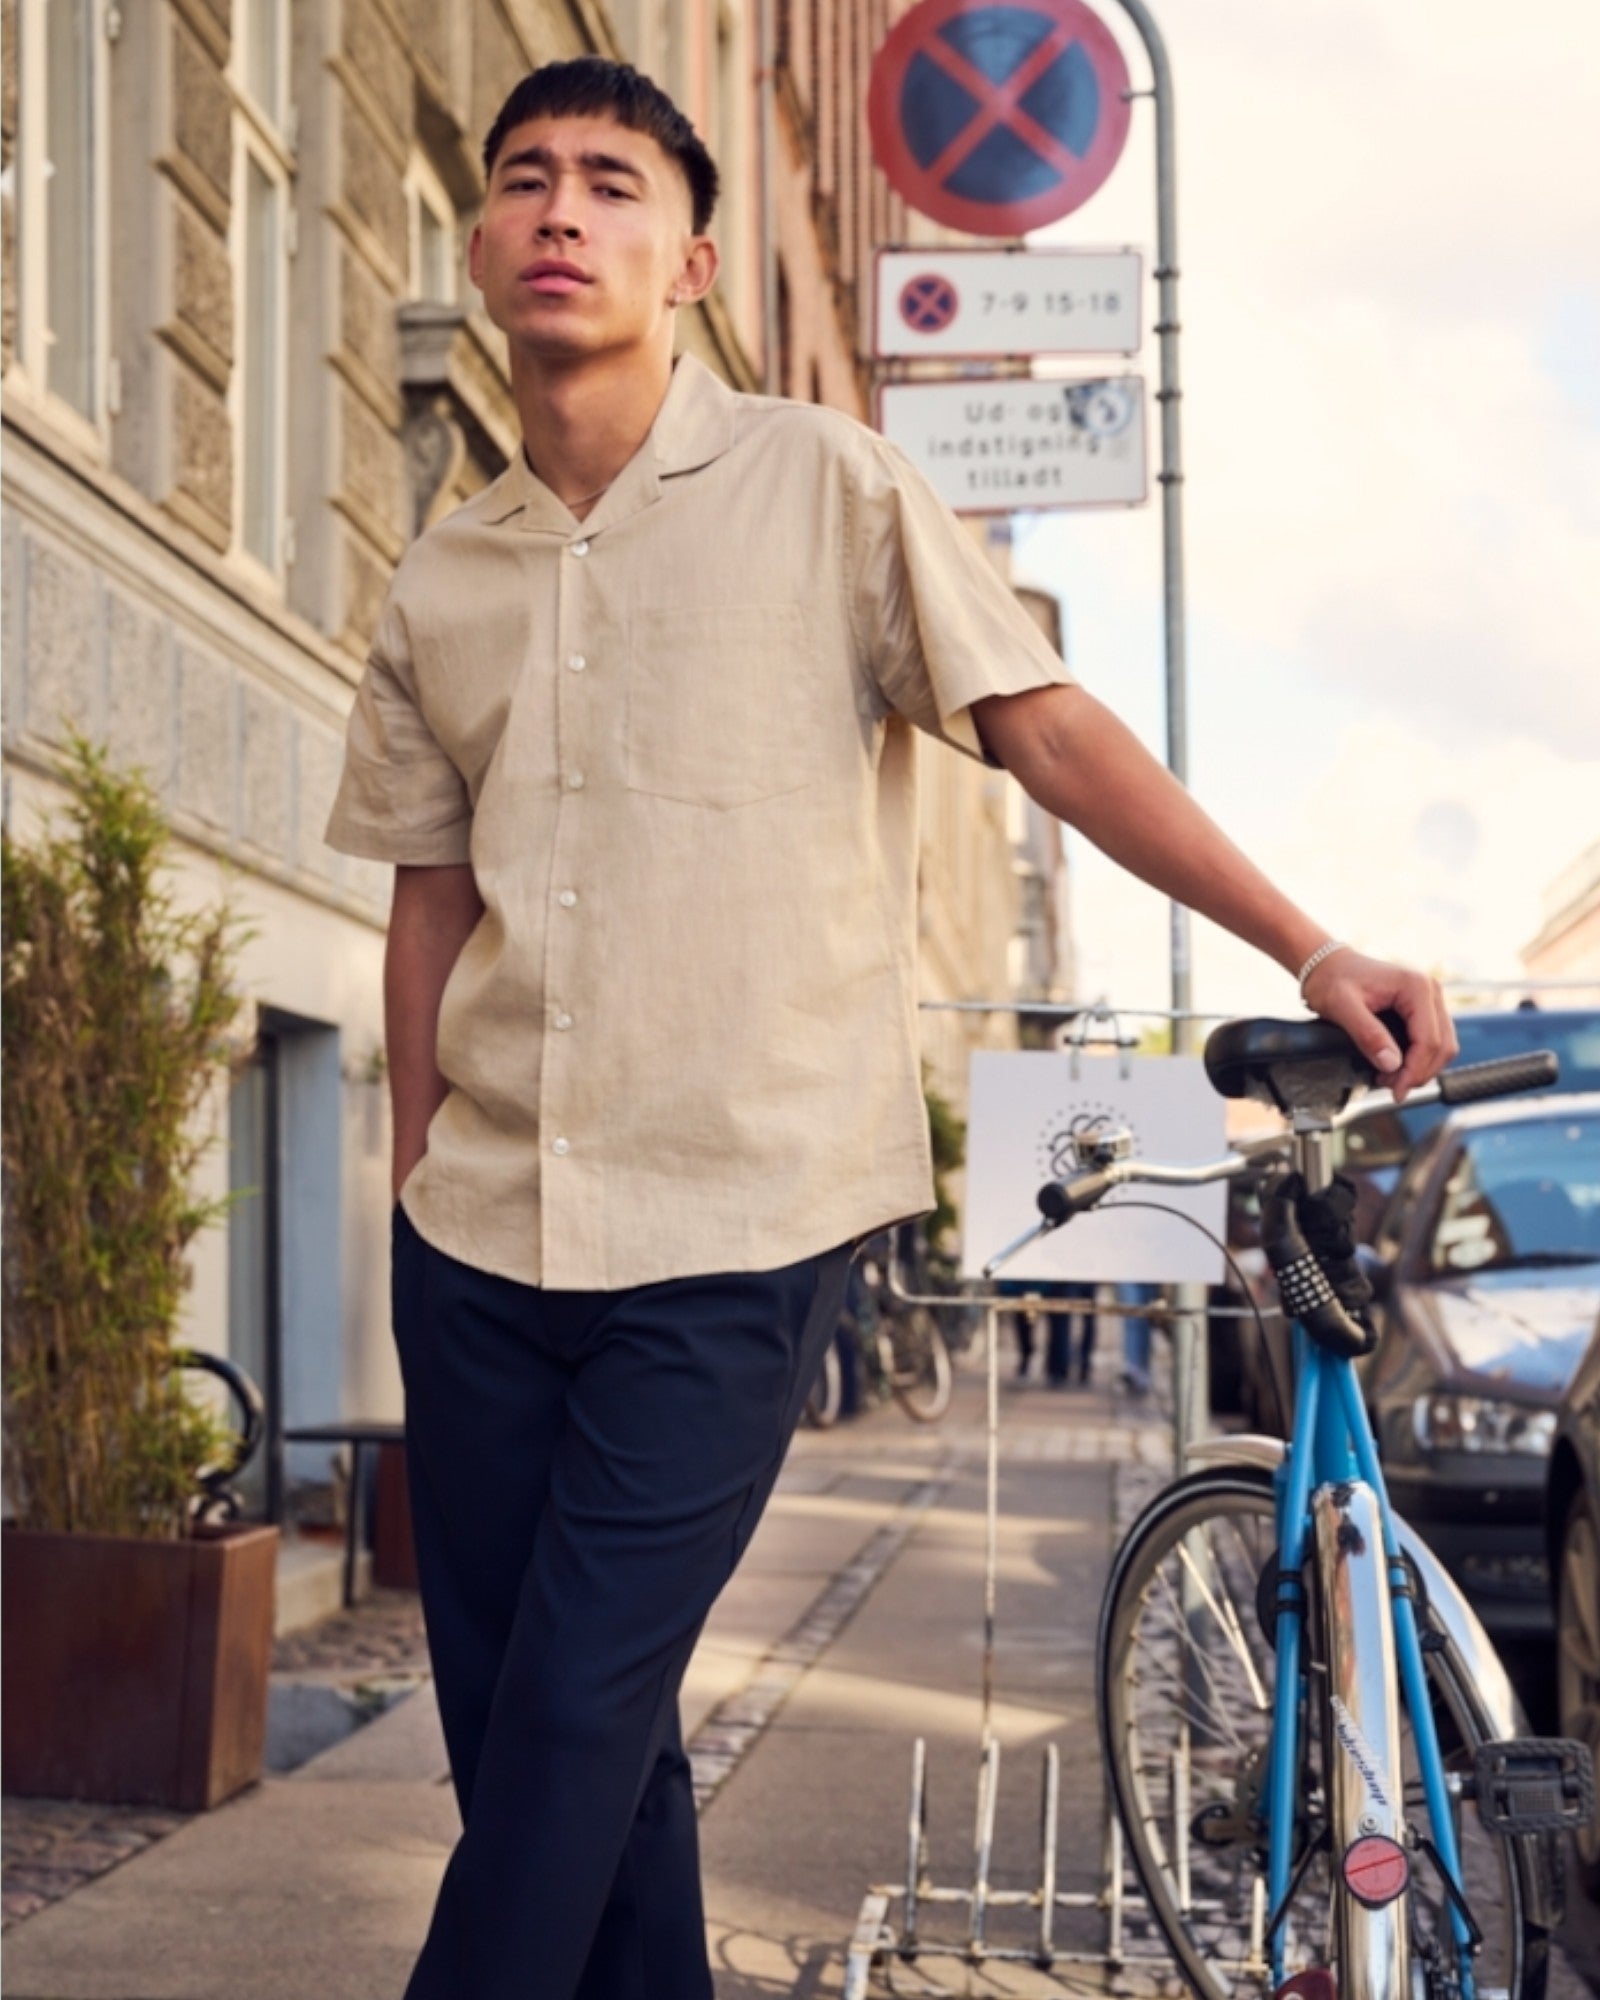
<point x="1472" y="1648"/>
<point x="1362" y="1735"/>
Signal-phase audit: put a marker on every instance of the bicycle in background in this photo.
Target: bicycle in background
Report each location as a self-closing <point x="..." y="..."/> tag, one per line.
<point x="895" y="1347"/>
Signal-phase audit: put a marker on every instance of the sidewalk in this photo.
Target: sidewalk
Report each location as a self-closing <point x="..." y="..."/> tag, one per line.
<point x="853" y="1626"/>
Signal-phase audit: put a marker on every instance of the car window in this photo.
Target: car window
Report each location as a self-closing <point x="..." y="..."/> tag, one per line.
<point x="1574" y="1034"/>
<point x="1520" y="1196"/>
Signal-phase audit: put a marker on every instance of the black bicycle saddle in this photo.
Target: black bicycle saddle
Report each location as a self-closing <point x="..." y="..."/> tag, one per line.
<point x="1292" y="1065"/>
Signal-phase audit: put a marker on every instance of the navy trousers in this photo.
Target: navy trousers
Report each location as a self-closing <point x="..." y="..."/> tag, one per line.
<point x="586" y="1469"/>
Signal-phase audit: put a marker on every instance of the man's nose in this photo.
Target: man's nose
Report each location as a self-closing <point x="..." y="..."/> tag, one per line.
<point x="560" y="217"/>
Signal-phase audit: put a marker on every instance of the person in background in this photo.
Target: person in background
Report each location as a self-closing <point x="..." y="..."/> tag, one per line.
<point x="1136" y="1339"/>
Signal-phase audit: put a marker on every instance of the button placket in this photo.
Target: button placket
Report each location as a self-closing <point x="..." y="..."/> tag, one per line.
<point x="560" y="1116"/>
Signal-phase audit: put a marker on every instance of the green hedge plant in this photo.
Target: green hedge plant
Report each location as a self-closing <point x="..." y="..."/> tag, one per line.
<point x="118" y="1007"/>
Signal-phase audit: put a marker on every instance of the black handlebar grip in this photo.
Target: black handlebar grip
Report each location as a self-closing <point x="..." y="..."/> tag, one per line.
<point x="1536" y="1070"/>
<point x="1059" y="1201"/>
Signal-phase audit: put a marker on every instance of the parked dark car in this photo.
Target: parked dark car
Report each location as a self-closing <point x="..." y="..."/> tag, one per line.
<point x="1372" y="1150"/>
<point x="1572" y="1525"/>
<point x="1248" y="1375"/>
<point x="1487" y="1268"/>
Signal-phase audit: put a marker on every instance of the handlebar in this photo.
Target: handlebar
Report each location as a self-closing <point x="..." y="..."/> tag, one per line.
<point x="1536" y="1070"/>
<point x="1503" y="1076"/>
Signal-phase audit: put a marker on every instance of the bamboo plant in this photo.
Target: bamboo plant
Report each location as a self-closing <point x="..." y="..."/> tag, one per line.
<point x="118" y="1006"/>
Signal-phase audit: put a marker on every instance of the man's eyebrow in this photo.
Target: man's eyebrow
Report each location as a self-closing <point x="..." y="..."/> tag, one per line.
<point x="541" y="156"/>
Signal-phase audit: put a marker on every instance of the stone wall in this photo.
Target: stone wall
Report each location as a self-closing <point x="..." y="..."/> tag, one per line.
<point x="106" y="636"/>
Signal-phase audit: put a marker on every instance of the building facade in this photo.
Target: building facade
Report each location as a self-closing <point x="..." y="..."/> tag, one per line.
<point x="243" y="367"/>
<point x="1567" y="947"/>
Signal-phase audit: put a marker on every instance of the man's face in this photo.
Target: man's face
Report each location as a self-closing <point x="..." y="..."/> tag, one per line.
<point x="586" y="236"/>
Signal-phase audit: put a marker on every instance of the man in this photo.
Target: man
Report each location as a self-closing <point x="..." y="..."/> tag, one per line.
<point x="637" y="733"/>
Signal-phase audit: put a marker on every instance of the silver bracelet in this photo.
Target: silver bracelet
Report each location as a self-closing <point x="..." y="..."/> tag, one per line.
<point x="1322" y="951"/>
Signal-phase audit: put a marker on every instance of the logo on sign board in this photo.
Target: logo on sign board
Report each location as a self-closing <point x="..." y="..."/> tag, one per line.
<point x="928" y="304"/>
<point x="1059" y="1140"/>
<point x="997" y="119"/>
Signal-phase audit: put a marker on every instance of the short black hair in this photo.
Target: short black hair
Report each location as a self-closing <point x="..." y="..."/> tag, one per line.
<point x="595" y="87"/>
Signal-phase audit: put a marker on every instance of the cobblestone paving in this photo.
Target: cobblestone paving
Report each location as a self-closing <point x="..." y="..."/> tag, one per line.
<point x="49" y="1847"/>
<point x="381" y="1635"/>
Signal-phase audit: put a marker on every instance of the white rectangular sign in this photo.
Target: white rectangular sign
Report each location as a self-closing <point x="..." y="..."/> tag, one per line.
<point x="975" y="305"/>
<point x="1024" y="1110"/>
<point x="990" y="446"/>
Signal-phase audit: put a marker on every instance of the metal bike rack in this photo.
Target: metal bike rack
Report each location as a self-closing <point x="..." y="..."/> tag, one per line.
<point x="889" y="1930"/>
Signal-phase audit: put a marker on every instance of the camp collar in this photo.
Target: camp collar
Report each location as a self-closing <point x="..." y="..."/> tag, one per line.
<point x="694" y="425"/>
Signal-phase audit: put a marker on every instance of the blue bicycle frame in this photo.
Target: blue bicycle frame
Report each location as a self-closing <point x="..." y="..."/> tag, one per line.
<point x="1332" y="1443"/>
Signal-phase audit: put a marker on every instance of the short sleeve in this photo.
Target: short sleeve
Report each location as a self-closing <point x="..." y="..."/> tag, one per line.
<point x="400" y="798"/>
<point x="939" y="626"/>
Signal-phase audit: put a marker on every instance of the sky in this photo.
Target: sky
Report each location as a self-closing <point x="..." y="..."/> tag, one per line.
<point x="1389" y="225"/>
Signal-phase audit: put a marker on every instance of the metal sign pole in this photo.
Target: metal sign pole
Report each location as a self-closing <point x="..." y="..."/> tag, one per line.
<point x="1169" y="396"/>
<point x="1189" y="1330"/>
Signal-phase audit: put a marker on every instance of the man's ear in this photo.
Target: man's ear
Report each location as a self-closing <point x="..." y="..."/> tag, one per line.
<point x="699" y="271"/>
<point x="475" y="255"/>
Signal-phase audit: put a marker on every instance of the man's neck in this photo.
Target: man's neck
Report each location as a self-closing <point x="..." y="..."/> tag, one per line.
<point x="582" y="422"/>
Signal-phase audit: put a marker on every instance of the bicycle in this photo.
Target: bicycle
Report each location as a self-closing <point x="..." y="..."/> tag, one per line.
<point x="239" y="1433"/>
<point x="899" y="1350"/>
<point x="1314" y="1751"/>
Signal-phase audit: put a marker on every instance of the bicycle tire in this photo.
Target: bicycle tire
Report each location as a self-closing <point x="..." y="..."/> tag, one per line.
<point x="1178" y="1764"/>
<point x="920" y="1372"/>
<point x="826" y="1398"/>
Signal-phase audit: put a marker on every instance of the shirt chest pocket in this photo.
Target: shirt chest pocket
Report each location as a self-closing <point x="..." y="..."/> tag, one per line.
<point x="722" y="704"/>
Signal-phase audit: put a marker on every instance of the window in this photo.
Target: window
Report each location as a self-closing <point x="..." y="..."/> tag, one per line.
<point x="61" y="194"/>
<point x="435" y="246"/>
<point x="262" y="244"/>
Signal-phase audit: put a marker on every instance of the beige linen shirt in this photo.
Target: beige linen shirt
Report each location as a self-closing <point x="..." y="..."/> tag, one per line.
<point x="674" y="741"/>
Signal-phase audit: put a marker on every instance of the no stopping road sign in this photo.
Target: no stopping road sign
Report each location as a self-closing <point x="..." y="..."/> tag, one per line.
<point x="998" y="118"/>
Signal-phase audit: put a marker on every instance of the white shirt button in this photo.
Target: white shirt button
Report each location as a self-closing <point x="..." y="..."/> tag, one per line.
<point x="574" y="781"/>
<point x="568" y="899"/>
<point x="577" y="663"/>
<point x="580" y="548"/>
<point x="563" y="1020"/>
<point x="562" y="1146"/>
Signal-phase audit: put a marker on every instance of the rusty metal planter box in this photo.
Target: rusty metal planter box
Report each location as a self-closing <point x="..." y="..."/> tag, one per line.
<point x="136" y="1671"/>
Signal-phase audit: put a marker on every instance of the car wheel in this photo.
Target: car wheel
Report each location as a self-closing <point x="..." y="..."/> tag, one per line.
<point x="1578" y="1653"/>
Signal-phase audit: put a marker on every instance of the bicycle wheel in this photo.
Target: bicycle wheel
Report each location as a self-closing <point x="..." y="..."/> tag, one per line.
<point x="827" y="1392"/>
<point x="919" y="1372"/>
<point x="1184" y="1694"/>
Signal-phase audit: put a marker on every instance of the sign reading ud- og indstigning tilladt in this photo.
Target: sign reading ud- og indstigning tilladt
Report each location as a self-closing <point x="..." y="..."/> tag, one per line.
<point x="991" y="447"/>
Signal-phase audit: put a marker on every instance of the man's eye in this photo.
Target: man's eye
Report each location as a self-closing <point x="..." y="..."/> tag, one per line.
<point x="621" y="194"/>
<point x="527" y="182"/>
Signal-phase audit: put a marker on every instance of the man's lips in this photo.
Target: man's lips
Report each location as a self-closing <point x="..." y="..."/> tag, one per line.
<point x="554" y="278"/>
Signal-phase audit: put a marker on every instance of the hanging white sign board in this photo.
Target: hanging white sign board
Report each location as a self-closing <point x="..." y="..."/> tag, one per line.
<point x="1025" y="1109"/>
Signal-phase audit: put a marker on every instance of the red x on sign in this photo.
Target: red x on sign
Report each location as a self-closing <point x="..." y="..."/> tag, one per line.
<point x="928" y="304"/>
<point x="997" y="116"/>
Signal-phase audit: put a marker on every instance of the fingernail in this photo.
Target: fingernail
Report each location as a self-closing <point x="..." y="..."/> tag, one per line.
<point x="1388" y="1059"/>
